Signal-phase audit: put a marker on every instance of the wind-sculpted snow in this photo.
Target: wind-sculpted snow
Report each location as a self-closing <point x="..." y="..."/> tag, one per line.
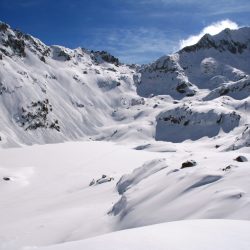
<point x="238" y="90"/>
<point x="210" y="189"/>
<point x="148" y="168"/>
<point x="242" y="140"/>
<point x="46" y="198"/>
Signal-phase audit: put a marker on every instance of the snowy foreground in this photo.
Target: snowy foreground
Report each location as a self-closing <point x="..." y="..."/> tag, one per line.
<point x="181" y="235"/>
<point x="48" y="201"/>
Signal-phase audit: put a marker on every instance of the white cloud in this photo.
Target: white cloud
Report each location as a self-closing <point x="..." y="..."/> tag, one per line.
<point x="212" y="29"/>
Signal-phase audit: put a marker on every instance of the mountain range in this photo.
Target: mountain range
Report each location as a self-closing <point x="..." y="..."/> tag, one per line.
<point x="53" y="94"/>
<point x="151" y="150"/>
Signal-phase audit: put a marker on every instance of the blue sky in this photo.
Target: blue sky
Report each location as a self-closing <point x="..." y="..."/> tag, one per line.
<point x="136" y="31"/>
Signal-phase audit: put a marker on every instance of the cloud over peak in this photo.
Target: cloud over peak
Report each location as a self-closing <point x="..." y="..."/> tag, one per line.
<point x="211" y="29"/>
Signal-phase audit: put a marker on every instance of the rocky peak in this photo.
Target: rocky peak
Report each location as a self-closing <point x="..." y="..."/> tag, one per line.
<point x="14" y="42"/>
<point x="100" y="56"/>
<point x="234" y="41"/>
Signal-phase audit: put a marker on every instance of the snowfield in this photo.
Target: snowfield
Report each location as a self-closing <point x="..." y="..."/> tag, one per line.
<point x="181" y="235"/>
<point x="48" y="199"/>
<point x="90" y="146"/>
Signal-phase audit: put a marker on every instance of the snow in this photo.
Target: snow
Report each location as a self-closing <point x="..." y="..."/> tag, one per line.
<point x="91" y="98"/>
<point x="73" y="117"/>
<point x="48" y="199"/>
<point x="181" y="235"/>
<point x="216" y="187"/>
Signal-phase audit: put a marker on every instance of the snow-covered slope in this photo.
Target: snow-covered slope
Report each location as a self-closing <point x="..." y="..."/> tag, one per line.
<point x="205" y="235"/>
<point x="46" y="197"/>
<point x="216" y="186"/>
<point x="52" y="94"/>
<point x="213" y="61"/>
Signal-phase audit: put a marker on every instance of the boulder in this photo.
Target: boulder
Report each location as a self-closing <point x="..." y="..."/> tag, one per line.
<point x="241" y="158"/>
<point x="188" y="164"/>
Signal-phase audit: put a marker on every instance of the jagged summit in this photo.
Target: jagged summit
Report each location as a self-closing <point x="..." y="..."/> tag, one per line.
<point x="14" y="42"/>
<point x="214" y="60"/>
<point x="234" y="41"/>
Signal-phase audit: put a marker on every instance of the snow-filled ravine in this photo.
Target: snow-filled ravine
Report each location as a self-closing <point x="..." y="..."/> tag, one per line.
<point x="47" y="199"/>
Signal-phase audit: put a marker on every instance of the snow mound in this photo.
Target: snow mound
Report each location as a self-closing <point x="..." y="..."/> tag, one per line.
<point x="147" y="169"/>
<point x="220" y="191"/>
<point x="242" y="140"/>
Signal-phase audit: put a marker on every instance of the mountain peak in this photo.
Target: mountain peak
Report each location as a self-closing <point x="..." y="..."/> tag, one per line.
<point x="235" y="41"/>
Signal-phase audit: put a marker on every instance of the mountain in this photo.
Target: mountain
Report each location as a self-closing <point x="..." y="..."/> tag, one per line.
<point x="52" y="94"/>
<point x="214" y="60"/>
<point x="155" y="144"/>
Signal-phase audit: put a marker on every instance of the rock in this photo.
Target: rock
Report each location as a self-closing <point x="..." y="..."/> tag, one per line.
<point x="188" y="164"/>
<point x="17" y="45"/>
<point x="241" y="158"/>
<point x="226" y="168"/>
<point x="42" y="58"/>
<point x="64" y="54"/>
<point x="3" y="27"/>
<point x="92" y="182"/>
<point x="106" y="57"/>
<point x="229" y="167"/>
<point x="103" y="179"/>
<point x="6" y="178"/>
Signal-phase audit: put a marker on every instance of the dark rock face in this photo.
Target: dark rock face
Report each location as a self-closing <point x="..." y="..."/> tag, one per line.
<point x="3" y="27"/>
<point x="105" y="56"/>
<point x="42" y="58"/>
<point x="64" y="54"/>
<point x="4" y="89"/>
<point x="181" y="88"/>
<point x="36" y="116"/>
<point x="17" y="45"/>
<point x="188" y="164"/>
